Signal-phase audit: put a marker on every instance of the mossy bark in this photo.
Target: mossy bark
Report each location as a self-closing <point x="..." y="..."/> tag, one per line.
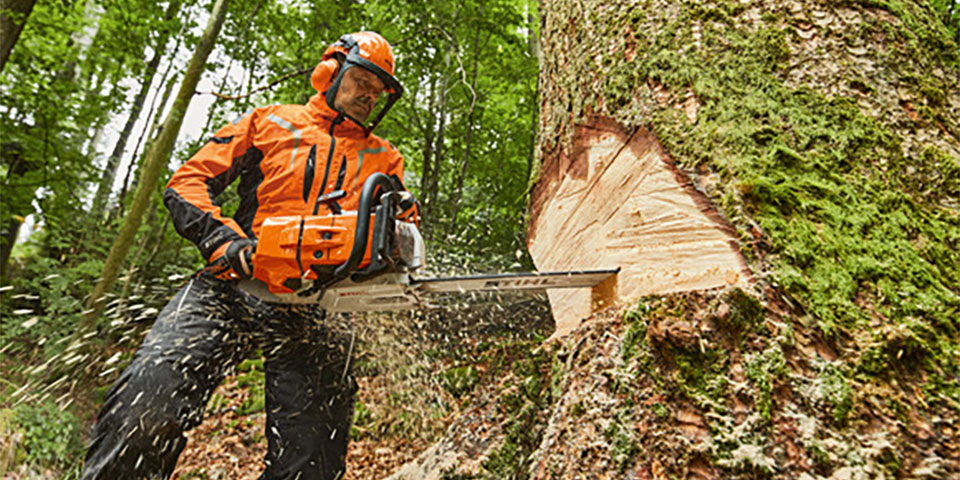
<point x="826" y="133"/>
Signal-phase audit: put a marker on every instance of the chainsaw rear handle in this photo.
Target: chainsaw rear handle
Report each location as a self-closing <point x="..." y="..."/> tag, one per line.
<point x="367" y="199"/>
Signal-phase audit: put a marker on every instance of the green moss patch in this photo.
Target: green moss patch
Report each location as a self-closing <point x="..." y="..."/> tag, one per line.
<point x="841" y="208"/>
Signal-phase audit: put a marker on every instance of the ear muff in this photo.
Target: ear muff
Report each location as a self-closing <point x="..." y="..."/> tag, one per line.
<point x="323" y="75"/>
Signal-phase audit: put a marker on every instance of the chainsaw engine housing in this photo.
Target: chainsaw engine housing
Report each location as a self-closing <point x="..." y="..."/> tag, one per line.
<point x="305" y="254"/>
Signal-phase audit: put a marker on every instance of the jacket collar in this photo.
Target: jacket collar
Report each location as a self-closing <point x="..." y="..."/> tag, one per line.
<point x="326" y="116"/>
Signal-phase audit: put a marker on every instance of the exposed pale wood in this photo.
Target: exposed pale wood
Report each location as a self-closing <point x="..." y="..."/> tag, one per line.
<point x="617" y="201"/>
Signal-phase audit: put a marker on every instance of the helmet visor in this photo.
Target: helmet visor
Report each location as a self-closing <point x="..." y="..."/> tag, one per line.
<point x="362" y="96"/>
<point x="391" y="84"/>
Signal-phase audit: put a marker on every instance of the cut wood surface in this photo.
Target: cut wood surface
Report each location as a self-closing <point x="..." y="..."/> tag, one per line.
<point x="618" y="201"/>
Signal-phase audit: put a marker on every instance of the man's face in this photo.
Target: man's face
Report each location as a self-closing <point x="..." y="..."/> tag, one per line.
<point x="358" y="93"/>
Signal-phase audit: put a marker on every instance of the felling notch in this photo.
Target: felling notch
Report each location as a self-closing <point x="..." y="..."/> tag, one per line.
<point x="618" y="201"/>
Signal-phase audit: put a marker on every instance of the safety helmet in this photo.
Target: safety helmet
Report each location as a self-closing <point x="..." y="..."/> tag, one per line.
<point x="362" y="49"/>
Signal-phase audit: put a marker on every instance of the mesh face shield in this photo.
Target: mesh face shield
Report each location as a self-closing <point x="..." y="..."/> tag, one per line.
<point x="391" y="93"/>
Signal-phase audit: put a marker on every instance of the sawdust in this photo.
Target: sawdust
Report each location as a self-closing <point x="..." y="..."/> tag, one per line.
<point x="663" y="392"/>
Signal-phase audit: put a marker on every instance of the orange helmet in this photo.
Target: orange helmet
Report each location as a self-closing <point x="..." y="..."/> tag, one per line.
<point x="362" y="49"/>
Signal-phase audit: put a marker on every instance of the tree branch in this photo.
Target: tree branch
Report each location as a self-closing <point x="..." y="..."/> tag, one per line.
<point x="260" y="89"/>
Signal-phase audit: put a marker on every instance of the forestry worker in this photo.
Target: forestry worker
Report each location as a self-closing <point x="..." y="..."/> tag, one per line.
<point x="286" y="157"/>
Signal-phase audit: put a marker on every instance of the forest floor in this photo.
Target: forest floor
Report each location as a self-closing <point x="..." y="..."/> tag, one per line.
<point x="415" y="374"/>
<point x="230" y="444"/>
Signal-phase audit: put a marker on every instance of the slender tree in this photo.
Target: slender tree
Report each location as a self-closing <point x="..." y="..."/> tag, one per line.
<point x="11" y="154"/>
<point x="113" y="162"/>
<point x="148" y="132"/>
<point x="13" y="16"/>
<point x="156" y="159"/>
<point x="458" y="192"/>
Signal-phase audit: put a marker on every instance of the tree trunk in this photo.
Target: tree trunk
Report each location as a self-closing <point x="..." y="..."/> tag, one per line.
<point x="532" y="152"/>
<point x="149" y="128"/>
<point x="458" y="193"/>
<point x="433" y="182"/>
<point x="11" y="155"/>
<point x="109" y="172"/>
<point x="428" y="153"/>
<point x="13" y="16"/>
<point x="113" y="162"/>
<point x="10" y="232"/>
<point x="156" y="160"/>
<point x="779" y="183"/>
<point x="637" y="156"/>
<point x="226" y="75"/>
<point x="101" y="125"/>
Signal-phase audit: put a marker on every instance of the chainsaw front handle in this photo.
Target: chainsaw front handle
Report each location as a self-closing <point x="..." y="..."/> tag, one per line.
<point x="367" y="199"/>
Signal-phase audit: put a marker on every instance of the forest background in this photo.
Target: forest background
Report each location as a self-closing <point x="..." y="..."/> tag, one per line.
<point x="83" y="96"/>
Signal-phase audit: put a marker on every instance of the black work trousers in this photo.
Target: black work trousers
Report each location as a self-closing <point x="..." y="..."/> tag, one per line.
<point x="207" y="329"/>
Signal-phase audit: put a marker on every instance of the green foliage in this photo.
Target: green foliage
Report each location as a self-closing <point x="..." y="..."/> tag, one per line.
<point x="460" y="381"/>
<point x="363" y="420"/>
<point x="251" y="376"/>
<point x="479" y="212"/>
<point x="51" y="436"/>
<point x="950" y="16"/>
<point x="73" y="75"/>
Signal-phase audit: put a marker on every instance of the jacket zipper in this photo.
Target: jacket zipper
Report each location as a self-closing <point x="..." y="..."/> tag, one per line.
<point x="334" y="206"/>
<point x="326" y="172"/>
<point x="308" y="173"/>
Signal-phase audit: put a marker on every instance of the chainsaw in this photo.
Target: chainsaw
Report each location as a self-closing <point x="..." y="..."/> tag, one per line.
<point x="365" y="260"/>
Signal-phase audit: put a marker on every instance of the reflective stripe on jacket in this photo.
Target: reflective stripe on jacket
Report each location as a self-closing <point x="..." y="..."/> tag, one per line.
<point x="287" y="157"/>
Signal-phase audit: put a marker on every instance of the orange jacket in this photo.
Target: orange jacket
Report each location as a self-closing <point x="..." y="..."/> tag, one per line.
<point x="286" y="156"/>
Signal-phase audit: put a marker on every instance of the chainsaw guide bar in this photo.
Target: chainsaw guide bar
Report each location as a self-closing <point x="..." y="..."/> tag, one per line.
<point x="408" y="293"/>
<point x="398" y="291"/>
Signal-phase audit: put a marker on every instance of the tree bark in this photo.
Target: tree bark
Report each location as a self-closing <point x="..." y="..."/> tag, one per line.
<point x="646" y="101"/>
<point x="428" y="153"/>
<point x="10" y="230"/>
<point x="156" y="159"/>
<point x="12" y="156"/>
<point x="433" y="183"/>
<point x="226" y="75"/>
<point x="109" y="172"/>
<point x="13" y="16"/>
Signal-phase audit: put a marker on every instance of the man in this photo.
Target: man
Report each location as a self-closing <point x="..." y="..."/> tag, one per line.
<point x="287" y="158"/>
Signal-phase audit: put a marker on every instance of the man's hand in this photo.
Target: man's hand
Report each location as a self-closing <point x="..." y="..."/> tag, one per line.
<point x="233" y="261"/>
